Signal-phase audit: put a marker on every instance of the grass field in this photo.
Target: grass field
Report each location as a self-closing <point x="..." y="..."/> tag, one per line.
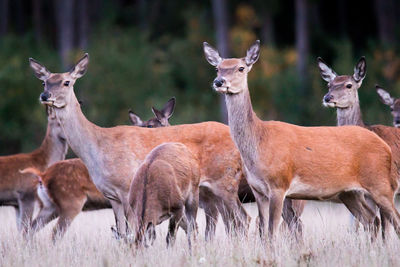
<point x="329" y="241"/>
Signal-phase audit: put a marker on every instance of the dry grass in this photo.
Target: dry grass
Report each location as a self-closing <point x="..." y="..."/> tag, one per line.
<point x="329" y="241"/>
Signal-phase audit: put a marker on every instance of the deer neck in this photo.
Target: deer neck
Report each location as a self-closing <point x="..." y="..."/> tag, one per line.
<point x="350" y="115"/>
<point x="243" y="124"/>
<point x="83" y="136"/>
<point x="52" y="149"/>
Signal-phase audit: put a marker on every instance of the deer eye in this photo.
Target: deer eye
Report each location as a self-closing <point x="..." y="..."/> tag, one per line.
<point x="349" y="85"/>
<point x="216" y="69"/>
<point x="66" y="83"/>
<point x="391" y="109"/>
<point x="43" y="83"/>
<point x="241" y="69"/>
<point x="150" y="126"/>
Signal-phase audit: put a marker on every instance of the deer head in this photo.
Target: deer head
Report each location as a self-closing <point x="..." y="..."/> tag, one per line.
<point x="393" y="103"/>
<point x="58" y="87"/>
<point x="160" y="119"/>
<point x="342" y="89"/>
<point x="231" y="72"/>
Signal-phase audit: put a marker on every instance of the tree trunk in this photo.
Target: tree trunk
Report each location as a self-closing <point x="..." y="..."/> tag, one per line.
<point x="37" y="19"/>
<point x="386" y="17"/>
<point x="267" y="28"/>
<point x="302" y="41"/>
<point x="65" y="29"/>
<point x="221" y="26"/>
<point x="4" y="10"/>
<point x="20" y="16"/>
<point x="83" y="24"/>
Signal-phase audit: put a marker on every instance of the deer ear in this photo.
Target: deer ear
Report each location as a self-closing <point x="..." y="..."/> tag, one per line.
<point x="158" y="114"/>
<point x="326" y="72"/>
<point x="253" y="53"/>
<point x="81" y="67"/>
<point x="135" y="119"/>
<point x="168" y="109"/>
<point x="211" y="54"/>
<point x="384" y="96"/>
<point x="360" y="70"/>
<point x="39" y="70"/>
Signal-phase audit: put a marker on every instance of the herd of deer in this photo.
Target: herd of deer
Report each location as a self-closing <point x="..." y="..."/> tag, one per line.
<point x="148" y="173"/>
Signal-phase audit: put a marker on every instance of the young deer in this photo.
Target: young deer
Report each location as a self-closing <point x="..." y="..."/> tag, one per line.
<point x="112" y="155"/>
<point x="161" y="117"/>
<point x="166" y="186"/>
<point x="319" y="163"/>
<point x="65" y="188"/>
<point x="393" y="103"/>
<point x="19" y="190"/>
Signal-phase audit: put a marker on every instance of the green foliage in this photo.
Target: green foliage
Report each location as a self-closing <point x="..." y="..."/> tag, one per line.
<point x="128" y="69"/>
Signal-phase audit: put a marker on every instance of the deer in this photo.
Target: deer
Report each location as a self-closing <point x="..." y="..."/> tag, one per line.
<point x="393" y="103"/>
<point x="282" y="160"/>
<point x="165" y="186"/>
<point x="161" y="117"/>
<point x="112" y="155"/>
<point x="65" y="188"/>
<point x="19" y="190"/>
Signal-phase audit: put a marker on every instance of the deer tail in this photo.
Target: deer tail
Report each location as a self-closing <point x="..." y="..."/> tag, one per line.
<point x="33" y="171"/>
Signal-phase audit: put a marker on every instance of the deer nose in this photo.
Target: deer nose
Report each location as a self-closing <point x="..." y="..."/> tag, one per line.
<point x="44" y="96"/>
<point x="328" y="98"/>
<point x="219" y="82"/>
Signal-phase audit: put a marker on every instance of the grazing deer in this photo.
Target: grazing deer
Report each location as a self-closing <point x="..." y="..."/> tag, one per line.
<point x="161" y="117"/>
<point x="112" y="155"/>
<point x="19" y="190"/>
<point x="166" y="186"/>
<point x="65" y="189"/>
<point x="393" y="103"/>
<point x="317" y="163"/>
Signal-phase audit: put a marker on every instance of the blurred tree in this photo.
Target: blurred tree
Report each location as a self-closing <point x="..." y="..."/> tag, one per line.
<point x="3" y="17"/>
<point x="37" y="19"/>
<point x="82" y="21"/>
<point x="221" y="27"/>
<point x="386" y="16"/>
<point x="64" y="16"/>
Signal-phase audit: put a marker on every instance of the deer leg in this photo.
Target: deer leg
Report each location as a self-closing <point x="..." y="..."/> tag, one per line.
<point x="17" y="218"/>
<point x="262" y="205"/>
<point x="211" y="213"/>
<point x="191" y="208"/>
<point x="275" y="211"/>
<point x="292" y="210"/>
<point x="46" y="215"/>
<point x="174" y="221"/>
<point x="356" y="204"/>
<point x="120" y="220"/>
<point x="26" y="205"/>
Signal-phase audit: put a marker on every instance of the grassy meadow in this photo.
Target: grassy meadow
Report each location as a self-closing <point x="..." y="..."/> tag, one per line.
<point x="330" y="240"/>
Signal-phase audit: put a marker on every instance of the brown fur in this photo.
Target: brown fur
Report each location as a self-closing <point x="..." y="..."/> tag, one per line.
<point x="66" y="189"/>
<point x="112" y="155"/>
<point x="18" y="189"/>
<point x="319" y="163"/>
<point x="166" y="185"/>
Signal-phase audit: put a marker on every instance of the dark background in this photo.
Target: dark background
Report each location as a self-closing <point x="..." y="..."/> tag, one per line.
<point x="143" y="52"/>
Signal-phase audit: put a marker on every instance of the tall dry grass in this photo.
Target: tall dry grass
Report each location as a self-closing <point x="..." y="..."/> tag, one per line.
<point x="330" y="240"/>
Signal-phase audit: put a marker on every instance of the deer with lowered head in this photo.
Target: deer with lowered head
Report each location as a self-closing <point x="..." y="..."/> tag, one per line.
<point x="112" y="155"/>
<point x="19" y="190"/>
<point x="166" y="186"/>
<point x="317" y="163"/>
<point x="65" y="188"/>
<point x="393" y="103"/>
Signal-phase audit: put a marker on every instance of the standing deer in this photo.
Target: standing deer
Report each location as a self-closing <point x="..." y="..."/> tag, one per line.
<point x="393" y="103"/>
<point x="112" y="155"/>
<point x="319" y="163"/>
<point x="65" y="188"/>
<point x="166" y="186"/>
<point x="19" y="190"/>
